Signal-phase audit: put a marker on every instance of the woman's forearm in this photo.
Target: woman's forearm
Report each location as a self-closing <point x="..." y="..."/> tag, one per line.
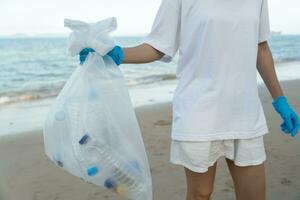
<point x="265" y="66"/>
<point x="143" y="53"/>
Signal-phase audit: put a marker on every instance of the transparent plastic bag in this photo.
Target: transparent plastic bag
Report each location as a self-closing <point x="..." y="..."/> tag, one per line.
<point x="91" y="130"/>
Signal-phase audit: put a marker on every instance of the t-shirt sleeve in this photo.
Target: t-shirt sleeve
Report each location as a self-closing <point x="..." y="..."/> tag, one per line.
<point x="165" y="31"/>
<point x="264" y="24"/>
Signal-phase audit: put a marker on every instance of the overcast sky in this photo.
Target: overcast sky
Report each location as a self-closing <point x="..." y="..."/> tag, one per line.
<point x="134" y="17"/>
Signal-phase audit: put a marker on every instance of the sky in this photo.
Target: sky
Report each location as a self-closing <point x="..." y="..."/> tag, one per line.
<point x="135" y="17"/>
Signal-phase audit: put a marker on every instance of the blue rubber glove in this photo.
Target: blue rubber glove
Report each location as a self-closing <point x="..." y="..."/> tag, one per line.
<point x="84" y="53"/>
<point x="290" y="118"/>
<point x="116" y="54"/>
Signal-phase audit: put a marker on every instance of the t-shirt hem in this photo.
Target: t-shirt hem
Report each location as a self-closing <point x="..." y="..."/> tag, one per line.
<point x="221" y="135"/>
<point x="264" y="38"/>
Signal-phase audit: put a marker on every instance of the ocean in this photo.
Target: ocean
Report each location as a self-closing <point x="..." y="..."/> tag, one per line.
<point x="37" y="68"/>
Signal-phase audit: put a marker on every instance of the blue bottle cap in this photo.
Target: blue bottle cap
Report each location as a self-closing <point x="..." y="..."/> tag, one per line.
<point x="92" y="171"/>
<point x="92" y="95"/>
<point x="84" y="139"/>
<point x="60" y="116"/>
<point x="109" y="184"/>
<point x="57" y="159"/>
<point x="59" y="163"/>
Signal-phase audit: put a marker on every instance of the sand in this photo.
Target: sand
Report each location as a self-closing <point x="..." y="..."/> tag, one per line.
<point x="27" y="174"/>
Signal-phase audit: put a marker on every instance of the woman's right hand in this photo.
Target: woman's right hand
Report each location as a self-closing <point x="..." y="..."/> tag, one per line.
<point x="143" y="53"/>
<point x="84" y="53"/>
<point x="116" y="54"/>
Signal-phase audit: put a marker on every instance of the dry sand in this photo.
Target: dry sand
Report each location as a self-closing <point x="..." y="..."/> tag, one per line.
<point x="27" y="174"/>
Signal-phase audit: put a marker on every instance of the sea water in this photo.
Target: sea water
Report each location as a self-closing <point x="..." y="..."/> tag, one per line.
<point x="35" y="68"/>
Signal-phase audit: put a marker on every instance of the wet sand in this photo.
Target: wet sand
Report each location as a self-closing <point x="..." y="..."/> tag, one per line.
<point x="27" y="174"/>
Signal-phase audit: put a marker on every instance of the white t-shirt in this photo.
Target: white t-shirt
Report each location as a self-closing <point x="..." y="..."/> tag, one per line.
<point x="217" y="95"/>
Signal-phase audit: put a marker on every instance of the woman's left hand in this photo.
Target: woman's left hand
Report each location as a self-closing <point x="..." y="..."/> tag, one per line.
<point x="290" y="124"/>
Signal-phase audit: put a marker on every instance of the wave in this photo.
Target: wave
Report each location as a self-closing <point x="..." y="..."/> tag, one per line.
<point x="23" y="97"/>
<point x="286" y="60"/>
<point x="10" y="99"/>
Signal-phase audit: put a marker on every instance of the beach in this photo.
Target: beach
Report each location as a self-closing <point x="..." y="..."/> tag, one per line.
<point x="26" y="173"/>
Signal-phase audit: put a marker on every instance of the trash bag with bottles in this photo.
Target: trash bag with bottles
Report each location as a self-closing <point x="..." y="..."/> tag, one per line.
<point x="91" y="130"/>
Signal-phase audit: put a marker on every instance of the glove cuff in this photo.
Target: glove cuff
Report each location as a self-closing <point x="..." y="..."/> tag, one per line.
<point x="117" y="55"/>
<point x="280" y="104"/>
<point x="120" y="54"/>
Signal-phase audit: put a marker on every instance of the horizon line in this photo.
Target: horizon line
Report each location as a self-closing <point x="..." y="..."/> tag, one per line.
<point x="62" y="35"/>
<point x="58" y="35"/>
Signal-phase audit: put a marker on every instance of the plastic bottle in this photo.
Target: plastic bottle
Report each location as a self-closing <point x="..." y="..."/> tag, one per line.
<point x="124" y="178"/>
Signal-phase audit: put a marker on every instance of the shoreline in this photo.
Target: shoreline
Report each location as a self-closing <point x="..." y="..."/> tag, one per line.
<point x="26" y="173"/>
<point x="16" y="118"/>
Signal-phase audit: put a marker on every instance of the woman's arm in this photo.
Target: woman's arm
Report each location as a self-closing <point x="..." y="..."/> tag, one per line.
<point x="143" y="53"/>
<point x="265" y="66"/>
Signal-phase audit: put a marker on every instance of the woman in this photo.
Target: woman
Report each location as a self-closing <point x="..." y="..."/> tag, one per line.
<point x="216" y="108"/>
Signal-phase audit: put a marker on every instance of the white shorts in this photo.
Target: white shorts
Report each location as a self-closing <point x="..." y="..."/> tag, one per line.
<point x="199" y="156"/>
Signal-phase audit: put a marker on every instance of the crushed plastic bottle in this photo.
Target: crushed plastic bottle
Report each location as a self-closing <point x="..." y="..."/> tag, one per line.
<point x="124" y="177"/>
<point x="121" y="173"/>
